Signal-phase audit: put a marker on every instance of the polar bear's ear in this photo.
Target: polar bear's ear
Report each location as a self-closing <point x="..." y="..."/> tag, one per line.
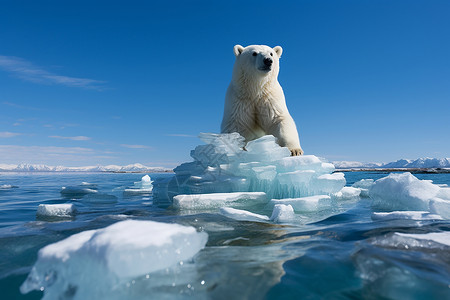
<point x="278" y="50"/>
<point x="238" y="50"/>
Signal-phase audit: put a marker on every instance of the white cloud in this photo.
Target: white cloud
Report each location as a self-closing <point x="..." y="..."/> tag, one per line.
<point x="29" y="72"/>
<point x="7" y="134"/>
<point x="73" y="138"/>
<point x="136" y="146"/>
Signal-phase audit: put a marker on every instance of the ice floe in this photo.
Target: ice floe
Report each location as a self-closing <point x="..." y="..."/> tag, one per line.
<point x="364" y="185"/>
<point x="141" y="187"/>
<point x="56" y="210"/>
<point x="226" y="164"/>
<point x="242" y="215"/>
<point x="90" y="263"/>
<point x="217" y="200"/>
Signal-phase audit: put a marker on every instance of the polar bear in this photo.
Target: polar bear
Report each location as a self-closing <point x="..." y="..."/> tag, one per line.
<point x="254" y="102"/>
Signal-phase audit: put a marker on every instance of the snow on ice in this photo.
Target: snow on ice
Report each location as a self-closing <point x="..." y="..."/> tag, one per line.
<point x="56" y="210"/>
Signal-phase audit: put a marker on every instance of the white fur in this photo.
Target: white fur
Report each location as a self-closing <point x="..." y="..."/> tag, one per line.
<point x="254" y="103"/>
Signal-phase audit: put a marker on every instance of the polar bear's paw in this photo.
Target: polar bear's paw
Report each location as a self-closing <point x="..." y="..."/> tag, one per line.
<point x="296" y="152"/>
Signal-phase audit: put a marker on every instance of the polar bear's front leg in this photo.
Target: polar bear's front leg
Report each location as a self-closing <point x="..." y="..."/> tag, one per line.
<point x="286" y="133"/>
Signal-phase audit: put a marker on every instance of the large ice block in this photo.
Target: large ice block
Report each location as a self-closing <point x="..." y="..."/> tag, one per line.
<point x="89" y="263"/>
<point x="55" y="210"/>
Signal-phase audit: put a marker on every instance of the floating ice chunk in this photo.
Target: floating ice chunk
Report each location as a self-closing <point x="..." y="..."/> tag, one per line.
<point x="305" y="204"/>
<point x="364" y="185"/>
<point x="7" y="186"/>
<point x="56" y="210"/>
<point x="444" y="193"/>
<point x="348" y="192"/>
<point x="442" y="238"/>
<point x="216" y="200"/>
<point x="405" y="215"/>
<point x="242" y="215"/>
<point x="91" y="262"/>
<point x="77" y="191"/>
<point x="328" y="183"/>
<point x="402" y="192"/>
<point x="282" y="213"/>
<point x="141" y="187"/>
<point x="440" y="207"/>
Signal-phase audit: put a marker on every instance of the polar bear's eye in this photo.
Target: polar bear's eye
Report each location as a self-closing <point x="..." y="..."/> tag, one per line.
<point x="254" y="53"/>
<point x="271" y="54"/>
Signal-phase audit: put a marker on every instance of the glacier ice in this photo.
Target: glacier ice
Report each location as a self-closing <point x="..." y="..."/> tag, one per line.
<point x="78" y="191"/>
<point x="216" y="200"/>
<point x="90" y="263"/>
<point x="225" y="164"/>
<point x="242" y="215"/>
<point x="283" y="213"/>
<point x="141" y="187"/>
<point x="56" y="210"/>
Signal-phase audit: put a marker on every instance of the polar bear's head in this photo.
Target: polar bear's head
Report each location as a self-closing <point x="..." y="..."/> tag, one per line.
<point x="258" y="60"/>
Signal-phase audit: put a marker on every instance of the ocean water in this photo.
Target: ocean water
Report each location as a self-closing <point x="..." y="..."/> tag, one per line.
<point x="346" y="255"/>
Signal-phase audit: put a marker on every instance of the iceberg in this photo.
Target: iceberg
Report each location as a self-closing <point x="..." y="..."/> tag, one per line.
<point x="55" y="210"/>
<point x="141" y="187"/>
<point x="92" y="263"/>
<point x="364" y="185"/>
<point x="225" y="164"/>
<point x="242" y="215"/>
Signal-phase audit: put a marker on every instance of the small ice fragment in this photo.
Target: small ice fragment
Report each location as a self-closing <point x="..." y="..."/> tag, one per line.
<point x="306" y="204"/>
<point x="242" y="215"/>
<point x="215" y="200"/>
<point x="141" y="187"/>
<point x="405" y="215"/>
<point x="348" y="192"/>
<point x="7" y="186"/>
<point x="282" y="213"/>
<point x="56" y="210"/>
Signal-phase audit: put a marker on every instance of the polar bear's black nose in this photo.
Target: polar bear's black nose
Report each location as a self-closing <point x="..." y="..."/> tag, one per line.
<point x="268" y="61"/>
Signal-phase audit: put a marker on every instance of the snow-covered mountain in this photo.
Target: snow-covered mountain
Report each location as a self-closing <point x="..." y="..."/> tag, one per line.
<point x="109" y="168"/>
<point x="421" y="163"/>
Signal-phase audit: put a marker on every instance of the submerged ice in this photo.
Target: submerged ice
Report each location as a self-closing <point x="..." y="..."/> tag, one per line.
<point x="96" y="261"/>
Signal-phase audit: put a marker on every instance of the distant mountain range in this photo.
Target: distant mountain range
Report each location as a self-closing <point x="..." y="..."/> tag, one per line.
<point x="109" y="168"/>
<point x="421" y="163"/>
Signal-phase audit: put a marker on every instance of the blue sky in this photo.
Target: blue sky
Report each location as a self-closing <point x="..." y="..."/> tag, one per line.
<point x="119" y="82"/>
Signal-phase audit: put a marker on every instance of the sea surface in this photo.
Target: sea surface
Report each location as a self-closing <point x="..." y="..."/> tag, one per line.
<point x="344" y="256"/>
